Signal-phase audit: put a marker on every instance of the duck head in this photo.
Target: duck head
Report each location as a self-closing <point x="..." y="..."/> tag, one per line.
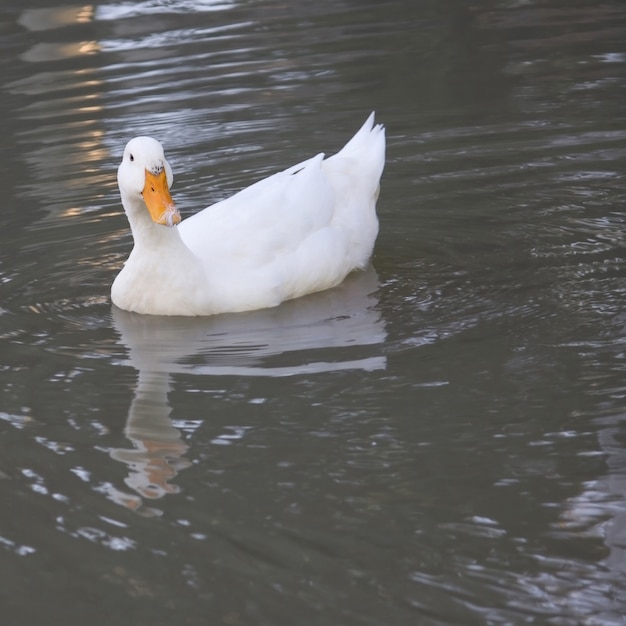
<point x="144" y="178"/>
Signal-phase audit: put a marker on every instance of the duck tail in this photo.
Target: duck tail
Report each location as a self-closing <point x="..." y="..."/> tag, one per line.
<point x="368" y="147"/>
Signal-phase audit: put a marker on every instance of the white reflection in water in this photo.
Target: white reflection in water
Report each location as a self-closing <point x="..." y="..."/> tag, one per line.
<point x="343" y="323"/>
<point x="599" y="511"/>
<point x="42" y="19"/>
<point x="152" y="7"/>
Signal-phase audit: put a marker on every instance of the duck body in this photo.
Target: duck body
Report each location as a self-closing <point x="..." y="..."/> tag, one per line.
<point x="299" y="231"/>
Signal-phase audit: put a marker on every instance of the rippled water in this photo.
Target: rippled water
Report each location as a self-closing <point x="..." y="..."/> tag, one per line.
<point x="440" y="440"/>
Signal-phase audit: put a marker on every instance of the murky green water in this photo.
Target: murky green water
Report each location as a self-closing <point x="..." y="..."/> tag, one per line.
<point x="441" y="440"/>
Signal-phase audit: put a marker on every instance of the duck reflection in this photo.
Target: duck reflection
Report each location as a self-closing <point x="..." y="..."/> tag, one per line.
<point x="342" y="323"/>
<point x="158" y="450"/>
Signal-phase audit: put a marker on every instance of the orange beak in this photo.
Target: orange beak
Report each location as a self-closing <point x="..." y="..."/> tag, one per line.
<point x="156" y="195"/>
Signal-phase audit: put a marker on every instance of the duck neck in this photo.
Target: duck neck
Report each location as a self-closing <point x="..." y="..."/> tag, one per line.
<point x="148" y="235"/>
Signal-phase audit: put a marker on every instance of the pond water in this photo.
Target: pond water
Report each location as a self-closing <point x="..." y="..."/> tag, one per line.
<point x="439" y="440"/>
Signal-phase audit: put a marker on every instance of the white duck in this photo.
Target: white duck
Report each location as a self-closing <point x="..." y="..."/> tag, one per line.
<point x="294" y="233"/>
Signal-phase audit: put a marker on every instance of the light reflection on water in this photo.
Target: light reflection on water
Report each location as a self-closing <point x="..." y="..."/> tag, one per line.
<point x="437" y="441"/>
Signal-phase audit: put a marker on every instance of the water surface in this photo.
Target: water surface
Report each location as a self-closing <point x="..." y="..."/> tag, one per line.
<point x="440" y="440"/>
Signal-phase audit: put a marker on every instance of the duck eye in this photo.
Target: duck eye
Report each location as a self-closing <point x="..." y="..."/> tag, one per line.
<point x="132" y="158"/>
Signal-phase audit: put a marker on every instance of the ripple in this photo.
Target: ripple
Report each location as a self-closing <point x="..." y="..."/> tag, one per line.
<point x="125" y="10"/>
<point x="440" y="439"/>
